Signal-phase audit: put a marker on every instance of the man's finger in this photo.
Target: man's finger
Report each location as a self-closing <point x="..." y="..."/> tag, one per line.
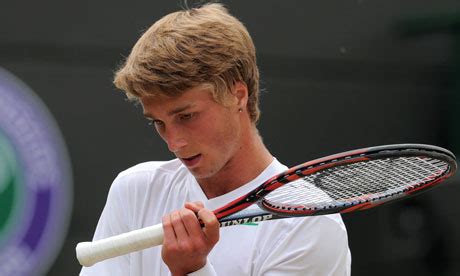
<point x="178" y="225"/>
<point x="192" y="225"/>
<point x="211" y="225"/>
<point x="194" y="206"/>
<point x="169" y="234"/>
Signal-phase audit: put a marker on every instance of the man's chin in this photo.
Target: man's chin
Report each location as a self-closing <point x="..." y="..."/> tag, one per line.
<point x="200" y="173"/>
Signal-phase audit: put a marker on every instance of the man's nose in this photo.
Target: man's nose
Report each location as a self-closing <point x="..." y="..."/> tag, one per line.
<point x="175" y="140"/>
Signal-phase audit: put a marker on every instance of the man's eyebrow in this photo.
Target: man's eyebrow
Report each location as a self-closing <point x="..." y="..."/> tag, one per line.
<point x="172" y="112"/>
<point x="180" y="109"/>
<point x="147" y="116"/>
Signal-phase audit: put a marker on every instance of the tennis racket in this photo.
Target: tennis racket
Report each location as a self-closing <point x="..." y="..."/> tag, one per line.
<point x="341" y="183"/>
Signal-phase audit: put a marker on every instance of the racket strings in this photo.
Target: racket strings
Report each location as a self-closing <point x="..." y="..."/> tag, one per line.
<point x="356" y="183"/>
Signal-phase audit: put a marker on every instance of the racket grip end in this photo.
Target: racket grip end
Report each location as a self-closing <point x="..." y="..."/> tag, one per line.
<point x="83" y="251"/>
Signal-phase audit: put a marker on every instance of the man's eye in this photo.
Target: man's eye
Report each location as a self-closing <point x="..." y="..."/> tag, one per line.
<point x="155" y="123"/>
<point x="187" y="116"/>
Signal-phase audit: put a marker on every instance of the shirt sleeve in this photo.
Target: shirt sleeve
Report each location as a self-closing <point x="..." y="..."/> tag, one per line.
<point x="308" y="246"/>
<point x="207" y="270"/>
<point x="113" y="221"/>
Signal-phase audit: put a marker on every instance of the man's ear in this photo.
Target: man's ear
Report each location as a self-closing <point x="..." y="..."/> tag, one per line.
<point x="241" y="94"/>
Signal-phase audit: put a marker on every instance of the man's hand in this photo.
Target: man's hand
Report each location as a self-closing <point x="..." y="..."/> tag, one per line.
<point x="186" y="244"/>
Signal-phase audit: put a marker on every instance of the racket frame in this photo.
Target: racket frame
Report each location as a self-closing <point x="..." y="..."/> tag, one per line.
<point x="225" y="217"/>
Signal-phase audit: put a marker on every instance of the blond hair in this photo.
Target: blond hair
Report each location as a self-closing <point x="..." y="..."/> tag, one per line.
<point x="189" y="48"/>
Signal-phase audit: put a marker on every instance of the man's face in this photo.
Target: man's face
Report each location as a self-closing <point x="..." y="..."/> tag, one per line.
<point x="202" y="133"/>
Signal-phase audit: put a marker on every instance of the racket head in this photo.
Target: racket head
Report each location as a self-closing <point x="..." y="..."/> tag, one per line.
<point x="356" y="180"/>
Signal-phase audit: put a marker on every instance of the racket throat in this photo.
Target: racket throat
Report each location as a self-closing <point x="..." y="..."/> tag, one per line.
<point x="250" y="220"/>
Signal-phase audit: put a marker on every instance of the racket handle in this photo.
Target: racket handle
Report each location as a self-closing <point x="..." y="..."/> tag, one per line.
<point x="89" y="253"/>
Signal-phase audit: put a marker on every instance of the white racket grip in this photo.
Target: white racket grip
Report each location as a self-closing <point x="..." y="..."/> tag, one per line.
<point x="89" y="253"/>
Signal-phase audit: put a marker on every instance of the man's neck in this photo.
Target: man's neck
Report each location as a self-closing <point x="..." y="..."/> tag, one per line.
<point x="251" y="160"/>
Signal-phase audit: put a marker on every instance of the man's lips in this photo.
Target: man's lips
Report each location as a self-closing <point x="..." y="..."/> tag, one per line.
<point x="191" y="161"/>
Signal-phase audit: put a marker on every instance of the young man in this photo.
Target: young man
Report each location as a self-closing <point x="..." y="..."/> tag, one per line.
<point x="195" y="74"/>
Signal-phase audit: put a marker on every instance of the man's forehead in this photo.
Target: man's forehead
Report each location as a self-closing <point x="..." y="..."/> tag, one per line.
<point x="168" y="104"/>
<point x="167" y="107"/>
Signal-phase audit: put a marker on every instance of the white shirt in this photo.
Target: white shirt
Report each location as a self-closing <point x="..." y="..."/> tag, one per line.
<point x="141" y="195"/>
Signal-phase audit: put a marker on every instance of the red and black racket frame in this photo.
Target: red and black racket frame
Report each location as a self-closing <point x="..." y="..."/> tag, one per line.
<point x="268" y="212"/>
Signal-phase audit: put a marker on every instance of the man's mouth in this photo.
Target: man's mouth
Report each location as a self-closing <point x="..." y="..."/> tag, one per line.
<point x="191" y="161"/>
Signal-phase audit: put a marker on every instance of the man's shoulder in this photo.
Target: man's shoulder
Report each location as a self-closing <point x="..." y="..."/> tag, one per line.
<point x="154" y="167"/>
<point x="152" y="172"/>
